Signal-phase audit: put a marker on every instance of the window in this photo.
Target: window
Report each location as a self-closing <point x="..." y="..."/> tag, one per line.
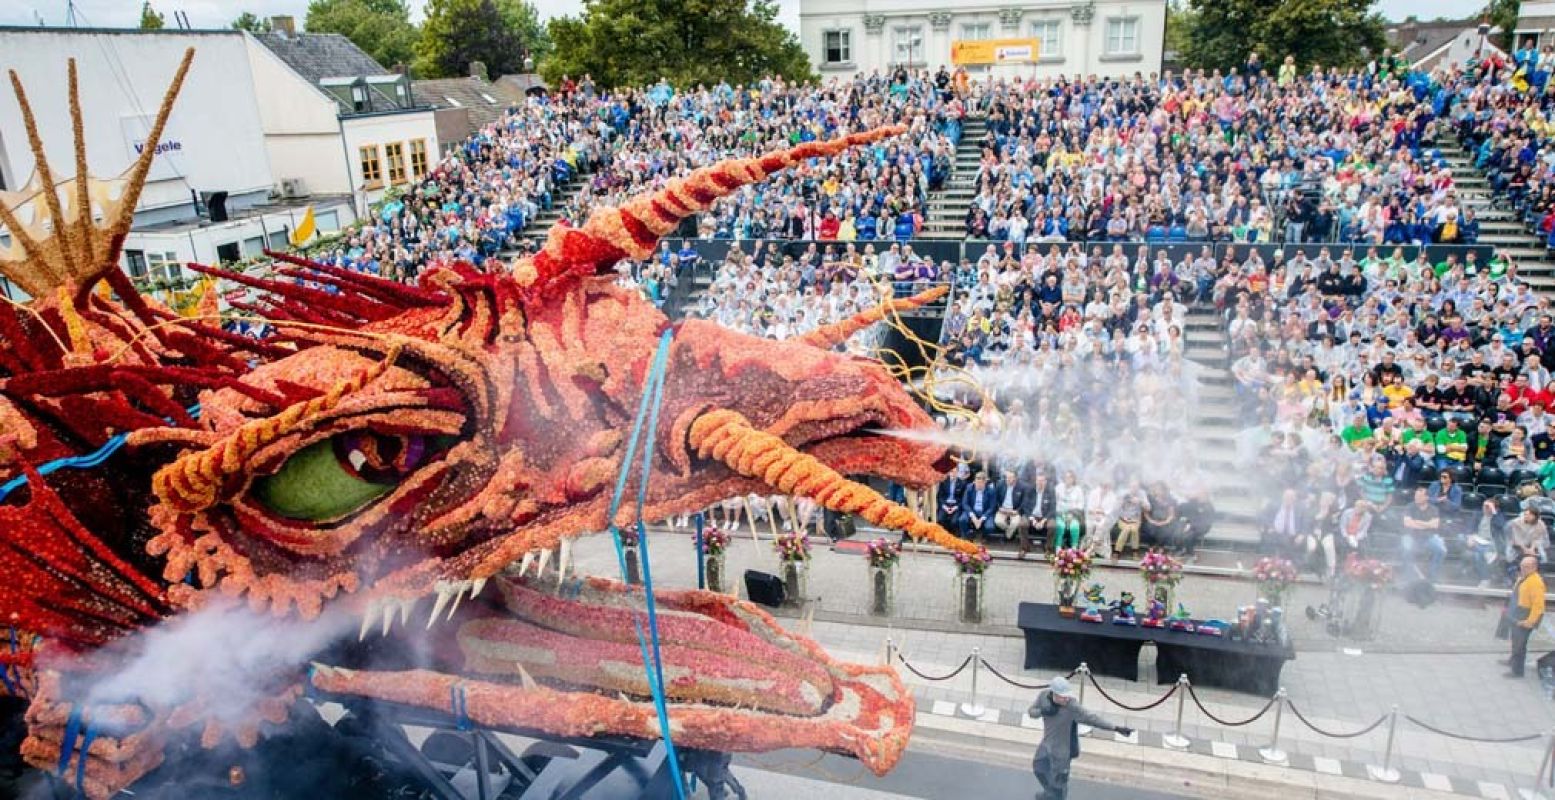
<point x="253" y="246"/>
<point x="135" y="263"/>
<point x="1049" y="36"/>
<point x="977" y="31"/>
<point x="163" y="267"/>
<point x="488" y="98"/>
<point x="907" y="45"/>
<point x="1122" y="36"/>
<point x="418" y="159"/>
<point x="394" y="153"/>
<point x="327" y="222"/>
<point x="372" y="168"/>
<point x="838" y="46"/>
<point x="281" y="239"/>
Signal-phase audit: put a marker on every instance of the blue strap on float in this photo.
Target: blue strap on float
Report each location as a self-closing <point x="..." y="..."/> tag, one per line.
<point x="648" y="409"/>
<point x="88" y="461"/>
<point x="461" y="708"/>
<point x="67" y="744"/>
<point x="701" y="578"/>
<point x="86" y="746"/>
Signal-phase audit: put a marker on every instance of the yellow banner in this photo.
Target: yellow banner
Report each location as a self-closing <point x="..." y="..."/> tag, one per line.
<point x="976" y="52"/>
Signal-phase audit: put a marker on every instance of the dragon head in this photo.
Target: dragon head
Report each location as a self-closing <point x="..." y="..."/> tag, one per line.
<point x="392" y="450"/>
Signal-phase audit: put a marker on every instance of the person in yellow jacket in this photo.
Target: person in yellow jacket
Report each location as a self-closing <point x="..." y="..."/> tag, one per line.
<point x="1526" y="611"/>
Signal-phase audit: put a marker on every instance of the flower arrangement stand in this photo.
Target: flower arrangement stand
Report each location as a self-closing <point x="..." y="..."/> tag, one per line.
<point x="970" y="596"/>
<point x="633" y="565"/>
<point x="714" y="569"/>
<point x="882" y="591"/>
<point x="796" y="576"/>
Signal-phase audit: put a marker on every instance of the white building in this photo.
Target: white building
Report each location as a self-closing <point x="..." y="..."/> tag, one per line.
<point x="212" y="194"/>
<point x="1090" y="37"/>
<point x="1535" y="21"/>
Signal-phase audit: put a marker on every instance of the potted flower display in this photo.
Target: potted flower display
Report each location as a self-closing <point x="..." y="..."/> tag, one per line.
<point x="715" y="544"/>
<point x="1274" y="576"/>
<point x="1161" y="573"/>
<point x="793" y="551"/>
<point x="1071" y="566"/>
<point x="1371" y="578"/>
<point x="629" y="543"/>
<point x="884" y="554"/>
<point x="971" y="571"/>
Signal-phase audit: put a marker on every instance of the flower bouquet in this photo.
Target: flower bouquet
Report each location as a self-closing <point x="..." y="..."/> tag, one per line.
<point x="970" y="571"/>
<point x="793" y="552"/>
<point x="883" y="556"/>
<point x="1372" y="577"/>
<point x="1071" y="566"/>
<point x="1161" y="573"/>
<point x="1274" y="576"/>
<point x="715" y="544"/>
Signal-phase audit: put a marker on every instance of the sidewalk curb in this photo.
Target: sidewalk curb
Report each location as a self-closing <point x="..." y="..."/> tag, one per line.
<point x="1214" y="768"/>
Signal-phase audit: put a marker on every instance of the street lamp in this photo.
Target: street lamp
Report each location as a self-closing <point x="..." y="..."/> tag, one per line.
<point x="1484" y="30"/>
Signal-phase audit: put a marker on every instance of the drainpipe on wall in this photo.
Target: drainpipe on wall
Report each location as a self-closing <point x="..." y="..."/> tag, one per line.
<point x="345" y="149"/>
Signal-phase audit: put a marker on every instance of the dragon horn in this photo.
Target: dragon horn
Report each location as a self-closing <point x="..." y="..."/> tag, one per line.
<point x="632" y="229"/>
<point x="727" y="436"/>
<point x="829" y="336"/>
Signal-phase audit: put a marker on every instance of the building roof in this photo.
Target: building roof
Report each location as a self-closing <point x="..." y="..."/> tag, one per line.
<point x="1422" y="42"/>
<point x="520" y="85"/>
<point x="484" y="102"/>
<point x="316" y="56"/>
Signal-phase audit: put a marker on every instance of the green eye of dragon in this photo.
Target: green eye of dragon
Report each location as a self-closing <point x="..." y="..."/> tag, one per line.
<point x="339" y="476"/>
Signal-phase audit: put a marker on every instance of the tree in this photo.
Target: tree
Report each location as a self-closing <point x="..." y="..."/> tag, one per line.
<point x="1341" y="33"/>
<point x="381" y="28"/>
<point x="1179" y="20"/>
<point x="497" y="33"/>
<point x="150" y="20"/>
<point x="1503" y="14"/>
<point x="621" y="42"/>
<point x="246" y="21"/>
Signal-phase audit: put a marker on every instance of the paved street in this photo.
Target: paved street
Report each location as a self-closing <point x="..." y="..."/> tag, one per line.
<point x="796" y="774"/>
<point x="1438" y="664"/>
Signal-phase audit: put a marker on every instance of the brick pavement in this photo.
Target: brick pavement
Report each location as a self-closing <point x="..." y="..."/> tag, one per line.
<point x="1438" y="664"/>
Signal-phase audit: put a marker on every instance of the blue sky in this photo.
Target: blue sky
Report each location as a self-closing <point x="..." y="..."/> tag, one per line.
<point x="217" y="13"/>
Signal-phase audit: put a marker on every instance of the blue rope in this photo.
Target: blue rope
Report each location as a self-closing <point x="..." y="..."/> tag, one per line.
<point x="701" y="578"/>
<point x="88" y="461"/>
<point x="67" y="745"/>
<point x="86" y="745"/>
<point x="653" y="664"/>
<point x="460" y="705"/>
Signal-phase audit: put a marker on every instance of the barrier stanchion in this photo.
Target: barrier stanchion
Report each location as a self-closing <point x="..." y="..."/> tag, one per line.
<point x="974" y="708"/>
<point x="890" y="651"/>
<point x="1273" y="754"/>
<point x="1386" y="773"/>
<point x="1085" y="672"/>
<point x="1175" y="739"/>
<point x="1545" y="763"/>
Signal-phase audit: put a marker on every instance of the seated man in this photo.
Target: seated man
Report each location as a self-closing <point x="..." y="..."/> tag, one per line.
<point x="1014" y="497"/>
<point x="1422" y="526"/>
<point x="950" y="491"/>
<point x="1040" y="505"/>
<point x="977" y="509"/>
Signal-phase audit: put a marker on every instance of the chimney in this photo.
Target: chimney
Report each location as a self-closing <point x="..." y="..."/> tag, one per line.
<point x="284" y="25"/>
<point x="478" y="70"/>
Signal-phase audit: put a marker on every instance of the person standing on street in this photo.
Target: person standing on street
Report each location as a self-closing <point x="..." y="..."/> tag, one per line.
<point x="1526" y="611"/>
<point x="1062" y="716"/>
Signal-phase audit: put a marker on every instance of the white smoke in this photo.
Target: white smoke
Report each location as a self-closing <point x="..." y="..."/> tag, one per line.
<point x="228" y="656"/>
<point x="1052" y="416"/>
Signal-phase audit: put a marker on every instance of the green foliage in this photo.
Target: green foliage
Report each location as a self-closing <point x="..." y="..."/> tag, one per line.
<point x="497" y="33"/>
<point x="1503" y="14"/>
<point x="380" y="27"/>
<point x="1179" y="20"/>
<point x="246" y="21"/>
<point x="1221" y="33"/>
<point x="636" y="42"/>
<point x="150" y="20"/>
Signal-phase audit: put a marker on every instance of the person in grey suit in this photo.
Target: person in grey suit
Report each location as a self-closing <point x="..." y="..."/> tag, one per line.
<point x="1062" y="716"/>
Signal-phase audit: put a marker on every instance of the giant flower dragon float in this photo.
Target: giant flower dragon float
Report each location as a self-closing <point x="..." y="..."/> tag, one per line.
<point x="412" y="456"/>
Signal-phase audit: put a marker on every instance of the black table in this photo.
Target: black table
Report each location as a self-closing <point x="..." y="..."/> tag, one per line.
<point x="1108" y="649"/>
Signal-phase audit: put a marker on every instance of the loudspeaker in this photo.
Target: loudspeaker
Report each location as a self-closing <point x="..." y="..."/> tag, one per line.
<point x="216" y="203"/>
<point x="764" y="588"/>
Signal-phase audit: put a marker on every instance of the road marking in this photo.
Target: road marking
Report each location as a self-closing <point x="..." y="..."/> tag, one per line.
<point x="1327" y="766"/>
<point x="1223" y="749"/>
<point x="1435" y="782"/>
<point x="944" y="708"/>
<point x="1493" y="791"/>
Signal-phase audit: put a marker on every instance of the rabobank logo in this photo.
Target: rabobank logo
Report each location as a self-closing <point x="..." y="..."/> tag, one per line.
<point x="162" y="148"/>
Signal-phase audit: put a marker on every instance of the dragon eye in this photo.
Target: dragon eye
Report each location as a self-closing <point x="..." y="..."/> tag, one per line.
<point x="339" y="476"/>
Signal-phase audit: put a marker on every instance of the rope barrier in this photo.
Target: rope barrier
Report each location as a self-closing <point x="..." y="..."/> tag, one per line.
<point x="1219" y="721"/>
<point x="1330" y="734"/>
<point x="1113" y="700"/>
<point x="914" y="670"/>
<point x="1485" y="740"/>
<point x="1017" y="684"/>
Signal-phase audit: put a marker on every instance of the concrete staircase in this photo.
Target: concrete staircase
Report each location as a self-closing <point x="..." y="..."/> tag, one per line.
<point x="1499" y="227"/>
<point x="1212" y="434"/>
<point x="945" y="218"/>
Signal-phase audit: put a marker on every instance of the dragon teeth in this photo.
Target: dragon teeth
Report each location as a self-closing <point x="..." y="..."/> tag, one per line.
<point x="476" y="586"/>
<point x="529" y="558"/>
<point x="388" y="615"/>
<point x="545" y="558"/>
<point x="565" y="560"/>
<point x="406" y="608"/>
<point x="443" y="592"/>
<point x="323" y="669"/>
<point x="458" y="590"/>
<point x="368" y="619"/>
<point x="524" y="678"/>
